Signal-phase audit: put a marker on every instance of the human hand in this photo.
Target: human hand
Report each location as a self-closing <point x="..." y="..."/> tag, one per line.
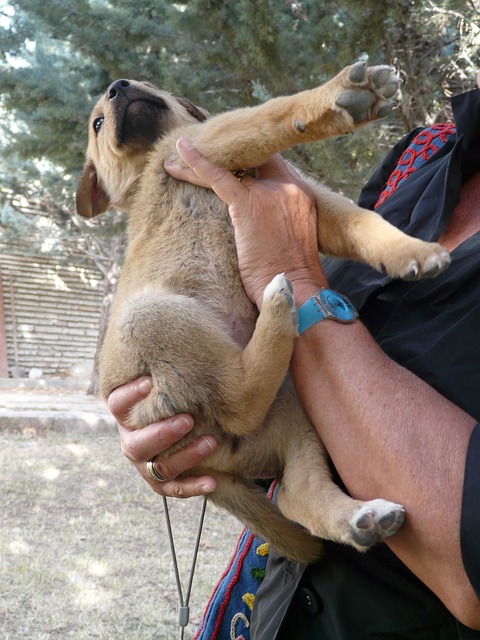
<point x="142" y="445"/>
<point x="274" y="217"/>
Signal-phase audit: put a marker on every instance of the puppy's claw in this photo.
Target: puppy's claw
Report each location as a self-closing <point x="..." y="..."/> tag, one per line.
<point x="436" y="264"/>
<point x="299" y="126"/>
<point x="412" y="272"/>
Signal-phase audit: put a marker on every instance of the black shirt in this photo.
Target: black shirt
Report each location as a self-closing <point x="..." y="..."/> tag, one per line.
<point x="432" y="328"/>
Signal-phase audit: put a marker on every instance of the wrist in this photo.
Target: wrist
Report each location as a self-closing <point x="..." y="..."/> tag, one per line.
<point x="305" y="286"/>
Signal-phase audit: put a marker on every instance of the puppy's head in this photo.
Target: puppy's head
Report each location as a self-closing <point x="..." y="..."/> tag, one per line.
<point x="123" y="127"/>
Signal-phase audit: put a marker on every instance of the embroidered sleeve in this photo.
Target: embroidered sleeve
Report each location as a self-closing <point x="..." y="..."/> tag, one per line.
<point x="421" y="149"/>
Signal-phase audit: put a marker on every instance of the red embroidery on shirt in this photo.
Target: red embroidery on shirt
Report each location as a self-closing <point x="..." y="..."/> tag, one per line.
<point x="421" y="149"/>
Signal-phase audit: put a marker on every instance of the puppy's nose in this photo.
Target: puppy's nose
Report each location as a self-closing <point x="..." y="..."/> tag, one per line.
<point x="117" y="87"/>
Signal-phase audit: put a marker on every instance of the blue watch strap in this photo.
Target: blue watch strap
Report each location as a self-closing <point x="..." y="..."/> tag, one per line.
<point x="309" y="314"/>
<point x="325" y="304"/>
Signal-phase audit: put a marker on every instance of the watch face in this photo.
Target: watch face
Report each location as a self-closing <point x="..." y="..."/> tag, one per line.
<point x="337" y="305"/>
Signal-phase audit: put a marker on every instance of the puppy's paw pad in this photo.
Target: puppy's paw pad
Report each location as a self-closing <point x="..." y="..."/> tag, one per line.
<point x="358" y="72"/>
<point x="374" y="521"/>
<point x="358" y="103"/>
<point x="369" y="93"/>
<point x="383" y="81"/>
<point x="385" y="109"/>
<point x="379" y="76"/>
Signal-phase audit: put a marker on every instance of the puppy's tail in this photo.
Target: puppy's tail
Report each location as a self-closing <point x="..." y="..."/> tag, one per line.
<point x="250" y="505"/>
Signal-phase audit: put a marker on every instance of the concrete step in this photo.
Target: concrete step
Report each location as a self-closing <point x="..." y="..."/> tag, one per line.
<point x="61" y="407"/>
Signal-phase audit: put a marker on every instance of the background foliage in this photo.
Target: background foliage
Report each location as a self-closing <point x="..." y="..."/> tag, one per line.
<point x="58" y="56"/>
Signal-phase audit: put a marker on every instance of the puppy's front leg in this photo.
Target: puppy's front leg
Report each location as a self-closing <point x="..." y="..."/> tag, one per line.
<point x="348" y="231"/>
<point x="245" y="138"/>
<point x="265" y="359"/>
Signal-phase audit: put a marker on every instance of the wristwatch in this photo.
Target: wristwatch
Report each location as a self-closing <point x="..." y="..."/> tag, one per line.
<point x="325" y="304"/>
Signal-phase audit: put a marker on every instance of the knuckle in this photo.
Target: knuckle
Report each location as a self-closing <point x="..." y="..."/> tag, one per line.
<point x="115" y="404"/>
<point x="179" y="490"/>
<point x="129" y="450"/>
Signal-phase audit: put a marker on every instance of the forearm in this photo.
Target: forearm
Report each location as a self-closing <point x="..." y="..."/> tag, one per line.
<point x="391" y="435"/>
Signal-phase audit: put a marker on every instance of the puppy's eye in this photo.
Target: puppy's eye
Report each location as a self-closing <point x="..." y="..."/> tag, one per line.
<point x="97" y="124"/>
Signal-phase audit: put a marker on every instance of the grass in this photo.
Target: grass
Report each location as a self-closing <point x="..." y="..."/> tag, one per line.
<point x="83" y="545"/>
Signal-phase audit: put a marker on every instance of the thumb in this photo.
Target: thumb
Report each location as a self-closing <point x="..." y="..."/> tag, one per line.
<point x="227" y="187"/>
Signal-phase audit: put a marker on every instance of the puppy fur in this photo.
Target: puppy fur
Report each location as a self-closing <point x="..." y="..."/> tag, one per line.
<point x="181" y="315"/>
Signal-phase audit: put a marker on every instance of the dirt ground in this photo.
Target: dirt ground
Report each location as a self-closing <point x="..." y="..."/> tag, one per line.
<point x="83" y="546"/>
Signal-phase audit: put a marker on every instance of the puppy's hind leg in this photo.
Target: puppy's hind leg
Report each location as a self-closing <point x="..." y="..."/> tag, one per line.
<point x="266" y="358"/>
<point x="308" y="495"/>
<point x="249" y="504"/>
<point x="195" y="365"/>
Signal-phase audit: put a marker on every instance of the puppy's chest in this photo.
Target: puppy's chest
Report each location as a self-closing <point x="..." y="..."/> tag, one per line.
<point x="193" y="255"/>
<point x="197" y="265"/>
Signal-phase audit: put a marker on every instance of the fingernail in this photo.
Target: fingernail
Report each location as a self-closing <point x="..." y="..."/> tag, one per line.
<point x="145" y="386"/>
<point x="183" y="144"/>
<point x="182" y="425"/>
<point x="206" y="488"/>
<point x="207" y="444"/>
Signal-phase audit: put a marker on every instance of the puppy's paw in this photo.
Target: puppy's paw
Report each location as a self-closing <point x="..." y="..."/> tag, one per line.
<point x="416" y="260"/>
<point x="374" y="521"/>
<point x="368" y="92"/>
<point x="279" y="292"/>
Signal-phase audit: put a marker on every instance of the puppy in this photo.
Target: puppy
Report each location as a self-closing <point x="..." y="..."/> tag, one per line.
<point x="181" y="315"/>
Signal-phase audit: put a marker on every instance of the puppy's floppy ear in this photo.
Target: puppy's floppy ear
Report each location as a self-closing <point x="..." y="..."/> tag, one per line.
<point x="196" y="112"/>
<point x="91" y="199"/>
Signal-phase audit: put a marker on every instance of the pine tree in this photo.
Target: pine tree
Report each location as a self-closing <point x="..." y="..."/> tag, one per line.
<point x="58" y="56"/>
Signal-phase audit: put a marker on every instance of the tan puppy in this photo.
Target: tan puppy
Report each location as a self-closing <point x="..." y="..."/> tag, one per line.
<point x="182" y="317"/>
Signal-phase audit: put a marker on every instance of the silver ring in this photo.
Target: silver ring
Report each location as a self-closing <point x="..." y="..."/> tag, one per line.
<point x="154" y="473"/>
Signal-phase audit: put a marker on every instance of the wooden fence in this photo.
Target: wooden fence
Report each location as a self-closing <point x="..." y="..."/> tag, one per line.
<point x="49" y="315"/>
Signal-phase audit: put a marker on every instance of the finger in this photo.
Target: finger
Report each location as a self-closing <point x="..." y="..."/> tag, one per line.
<point x="227" y="187"/>
<point x="184" y="459"/>
<point x="122" y="399"/>
<point x="186" y="174"/>
<point x="144" y="444"/>
<point x="186" y="487"/>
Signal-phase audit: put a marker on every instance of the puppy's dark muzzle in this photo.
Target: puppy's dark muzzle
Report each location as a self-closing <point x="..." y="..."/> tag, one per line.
<point x="137" y="112"/>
